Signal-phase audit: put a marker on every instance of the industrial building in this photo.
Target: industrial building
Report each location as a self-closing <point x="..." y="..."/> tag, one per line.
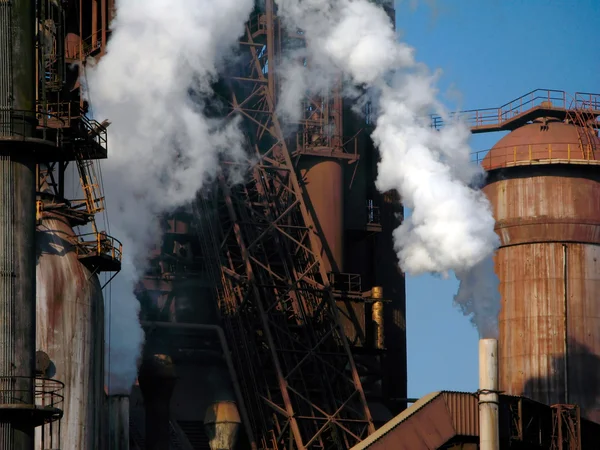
<point x="274" y="309"/>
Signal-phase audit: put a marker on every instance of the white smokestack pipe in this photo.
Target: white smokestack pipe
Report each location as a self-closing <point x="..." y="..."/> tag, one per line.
<point x="489" y="438"/>
<point x="118" y="422"/>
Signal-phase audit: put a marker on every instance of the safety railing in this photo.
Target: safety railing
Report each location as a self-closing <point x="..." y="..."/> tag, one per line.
<point x="28" y="123"/>
<point x="347" y="282"/>
<point x="94" y="130"/>
<point x="99" y="244"/>
<point x="539" y="98"/>
<point x="499" y="157"/>
<point x="88" y="46"/>
<point x="55" y="115"/>
<point x="587" y="101"/>
<point x="497" y="116"/>
<point x="47" y="392"/>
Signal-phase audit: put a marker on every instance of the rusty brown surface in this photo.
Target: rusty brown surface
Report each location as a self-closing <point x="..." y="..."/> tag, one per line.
<point x="548" y="220"/>
<point x="324" y="185"/>
<point x="542" y="355"/>
<point x="546" y="207"/>
<point x="70" y="329"/>
<point x="543" y="140"/>
<point x="450" y="420"/>
<point x="428" y="424"/>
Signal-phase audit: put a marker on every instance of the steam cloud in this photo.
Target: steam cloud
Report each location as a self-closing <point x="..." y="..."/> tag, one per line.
<point x="451" y="227"/>
<point x="152" y="85"/>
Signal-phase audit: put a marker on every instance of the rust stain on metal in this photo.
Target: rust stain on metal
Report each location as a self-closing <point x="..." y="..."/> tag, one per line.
<point x="548" y="220"/>
<point x="70" y="329"/>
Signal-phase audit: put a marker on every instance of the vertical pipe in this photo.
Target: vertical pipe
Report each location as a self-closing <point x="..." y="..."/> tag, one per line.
<point x="94" y="23"/>
<point x="566" y="319"/>
<point x="377" y="318"/>
<point x="103" y="24"/>
<point x="17" y="217"/>
<point x="489" y="438"/>
<point x="118" y="422"/>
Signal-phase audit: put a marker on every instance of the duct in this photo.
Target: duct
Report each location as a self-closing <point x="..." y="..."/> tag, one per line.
<point x="489" y="438"/>
<point x="222" y="423"/>
<point x="118" y="422"/>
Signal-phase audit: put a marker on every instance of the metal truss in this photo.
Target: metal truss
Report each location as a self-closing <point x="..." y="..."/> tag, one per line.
<point x="566" y="427"/>
<point x="298" y="374"/>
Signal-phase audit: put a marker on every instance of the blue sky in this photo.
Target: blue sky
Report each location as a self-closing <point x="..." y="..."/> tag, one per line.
<point x="490" y="52"/>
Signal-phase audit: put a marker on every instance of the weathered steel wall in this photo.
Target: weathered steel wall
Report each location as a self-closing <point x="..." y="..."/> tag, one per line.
<point x="548" y="220"/>
<point x="70" y="329"/>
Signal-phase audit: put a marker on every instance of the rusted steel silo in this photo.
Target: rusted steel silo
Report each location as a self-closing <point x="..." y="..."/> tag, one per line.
<point x="544" y="185"/>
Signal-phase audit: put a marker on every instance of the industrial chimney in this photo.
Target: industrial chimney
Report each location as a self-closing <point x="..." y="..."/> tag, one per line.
<point x="489" y="438"/>
<point x="222" y="423"/>
<point x="118" y="422"/>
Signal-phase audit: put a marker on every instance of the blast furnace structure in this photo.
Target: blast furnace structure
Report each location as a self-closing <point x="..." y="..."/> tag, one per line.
<point x="309" y="293"/>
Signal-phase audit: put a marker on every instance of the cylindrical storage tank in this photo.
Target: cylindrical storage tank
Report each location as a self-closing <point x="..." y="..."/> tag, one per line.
<point x="222" y="424"/>
<point x="323" y="181"/>
<point x="118" y="422"/>
<point x="544" y="186"/>
<point x="70" y="329"/>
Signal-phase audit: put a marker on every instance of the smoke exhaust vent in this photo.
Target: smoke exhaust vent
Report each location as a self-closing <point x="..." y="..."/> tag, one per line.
<point x="489" y="438"/>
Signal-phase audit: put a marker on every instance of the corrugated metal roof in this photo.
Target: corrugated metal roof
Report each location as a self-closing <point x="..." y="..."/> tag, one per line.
<point x="442" y="415"/>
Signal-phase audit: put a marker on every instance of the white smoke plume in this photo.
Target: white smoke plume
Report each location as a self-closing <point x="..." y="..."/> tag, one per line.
<point x="152" y="85"/>
<point x="451" y="227"/>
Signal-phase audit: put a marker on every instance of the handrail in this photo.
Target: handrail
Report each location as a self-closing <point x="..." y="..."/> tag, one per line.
<point x="538" y="98"/>
<point x="101" y="245"/>
<point x="587" y="100"/>
<point x="29" y="121"/>
<point x="47" y="392"/>
<point x="525" y="154"/>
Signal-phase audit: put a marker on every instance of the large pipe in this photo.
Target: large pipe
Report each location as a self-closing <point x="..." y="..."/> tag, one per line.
<point x="17" y="218"/>
<point x="489" y="438"/>
<point x="118" y="422"/>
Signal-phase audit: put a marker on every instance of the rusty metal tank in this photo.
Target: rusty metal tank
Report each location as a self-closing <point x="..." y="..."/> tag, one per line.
<point x="70" y="329"/>
<point x="544" y="185"/>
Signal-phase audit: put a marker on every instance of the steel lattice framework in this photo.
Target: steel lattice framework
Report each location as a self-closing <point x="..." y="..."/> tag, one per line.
<point x="299" y="378"/>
